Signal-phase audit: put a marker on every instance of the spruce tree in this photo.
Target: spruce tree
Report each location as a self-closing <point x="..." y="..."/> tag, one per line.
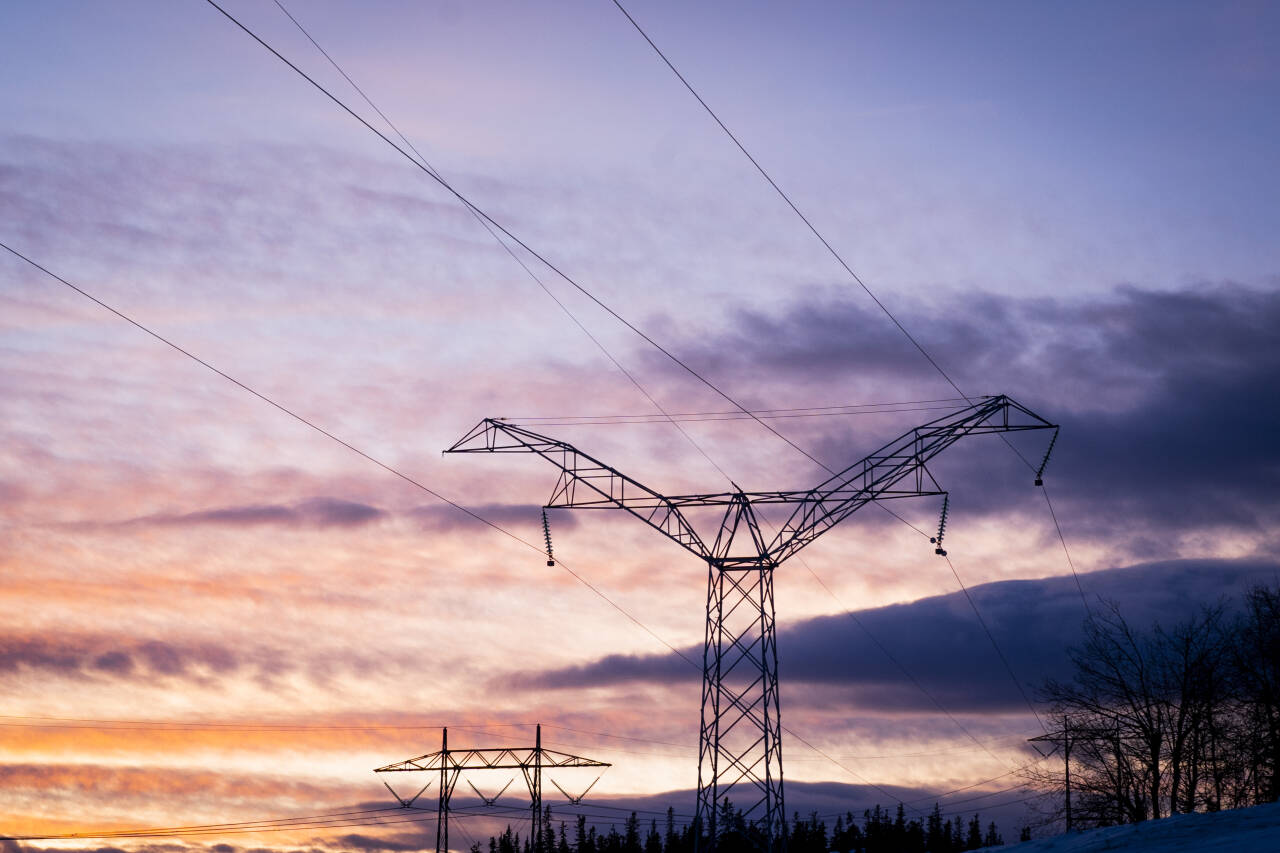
<point x="974" y="840"/>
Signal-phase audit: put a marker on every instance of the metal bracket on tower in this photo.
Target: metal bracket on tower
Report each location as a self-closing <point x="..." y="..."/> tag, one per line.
<point x="489" y="801"/>
<point x="409" y="802"/>
<point x="570" y="797"/>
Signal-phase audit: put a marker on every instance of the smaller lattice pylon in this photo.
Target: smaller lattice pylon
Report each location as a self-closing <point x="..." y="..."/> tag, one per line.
<point x="450" y="764"/>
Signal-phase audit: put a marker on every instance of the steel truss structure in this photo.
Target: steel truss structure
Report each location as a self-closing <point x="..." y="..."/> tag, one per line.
<point x="740" y="738"/>
<point x="450" y="764"/>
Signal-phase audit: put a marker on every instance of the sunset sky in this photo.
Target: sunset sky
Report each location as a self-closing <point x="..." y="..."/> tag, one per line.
<point x="211" y="613"/>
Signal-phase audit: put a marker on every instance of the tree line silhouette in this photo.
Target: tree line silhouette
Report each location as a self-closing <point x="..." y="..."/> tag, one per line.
<point x="879" y="831"/>
<point x="1169" y="720"/>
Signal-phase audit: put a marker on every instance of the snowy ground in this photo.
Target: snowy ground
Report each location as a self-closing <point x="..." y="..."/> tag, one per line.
<point x="1255" y="830"/>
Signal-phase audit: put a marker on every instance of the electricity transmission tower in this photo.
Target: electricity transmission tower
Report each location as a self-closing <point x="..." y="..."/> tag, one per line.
<point x="450" y="763"/>
<point x="740" y="738"/>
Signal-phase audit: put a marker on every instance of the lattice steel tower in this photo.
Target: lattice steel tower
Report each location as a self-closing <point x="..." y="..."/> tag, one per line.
<point x="741" y="733"/>
<point x="449" y="764"/>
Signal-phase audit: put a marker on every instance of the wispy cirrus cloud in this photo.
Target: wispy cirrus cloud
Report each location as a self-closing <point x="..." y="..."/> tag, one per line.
<point x="140" y="783"/>
<point x="134" y="657"/>
<point x="71" y="654"/>
<point x="320" y="512"/>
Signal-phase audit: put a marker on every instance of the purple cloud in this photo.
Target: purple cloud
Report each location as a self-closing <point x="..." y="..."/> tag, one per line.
<point x="1165" y="397"/>
<point x="316" y="512"/>
<point x="1033" y="620"/>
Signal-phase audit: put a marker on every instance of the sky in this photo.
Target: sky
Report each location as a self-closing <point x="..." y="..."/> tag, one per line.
<point x="212" y="612"/>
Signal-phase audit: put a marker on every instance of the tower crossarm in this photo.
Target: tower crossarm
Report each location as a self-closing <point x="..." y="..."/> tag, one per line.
<point x="489" y="759"/>
<point x="896" y="470"/>
<point x="587" y="483"/>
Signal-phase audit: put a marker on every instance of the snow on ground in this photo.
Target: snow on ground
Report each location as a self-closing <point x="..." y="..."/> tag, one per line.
<point x="1253" y="830"/>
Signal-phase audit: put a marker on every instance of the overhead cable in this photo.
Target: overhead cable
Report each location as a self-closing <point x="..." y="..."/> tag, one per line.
<point x="667" y="417"/>
<point x="789" y="202"/>
<point x="405" y="477"/>
<point x="333" y="437"/>
<point x="542" y="259"/>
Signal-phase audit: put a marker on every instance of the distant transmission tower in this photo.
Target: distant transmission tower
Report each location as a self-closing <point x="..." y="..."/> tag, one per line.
<point x="740" y="737"/>
<point x="450" y="763"/>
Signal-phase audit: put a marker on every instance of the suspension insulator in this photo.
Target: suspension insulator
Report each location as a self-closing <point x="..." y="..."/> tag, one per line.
<point x="546" y="534"/>
<point x="1045" y="460"/>
<point x="942" y="526"/>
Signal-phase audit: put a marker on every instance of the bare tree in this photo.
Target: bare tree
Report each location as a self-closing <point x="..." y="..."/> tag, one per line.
<point x="1193" y="682"/>
<point x="1146" y="715"/>
<point x="1257" y="674"/>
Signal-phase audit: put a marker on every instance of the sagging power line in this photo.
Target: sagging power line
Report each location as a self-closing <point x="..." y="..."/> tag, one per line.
<point x="744" y="415"/>
<point x="411" y="481"/>
<point x="663" y="415"/>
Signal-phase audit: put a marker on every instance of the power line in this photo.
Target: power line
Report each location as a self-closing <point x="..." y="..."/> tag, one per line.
<point x="367" y="456"/>
<point x="994" y="644"/>
<point x="948" y="401"/>
<point x="802" y="217"/>
<point x="1066" y="551"/>
<point x="390" y="469"/>
<point x="703" y="417"/>
<point x="405" y="477"/>
<point x="964" y="788"/>
<point x="478" y="215"/>
<point x="997" y="792"/>
<point x="838" y="763"/>
<point x="786" y="198"/>
<point x="487" y="219"/>
<point x="314" y="426"/>
<point x="555" y="269"/>
<point x="901" y="668"/>
<point x="666" y="417"/>
<point x="789" y="202"/>
<point x="949" y="812"/>
<point x="835" y="254"/>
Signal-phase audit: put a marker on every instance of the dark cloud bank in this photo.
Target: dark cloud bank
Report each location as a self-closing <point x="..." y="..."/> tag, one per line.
<point x="939" y="641"/>
<point x="1169" y="401"/>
